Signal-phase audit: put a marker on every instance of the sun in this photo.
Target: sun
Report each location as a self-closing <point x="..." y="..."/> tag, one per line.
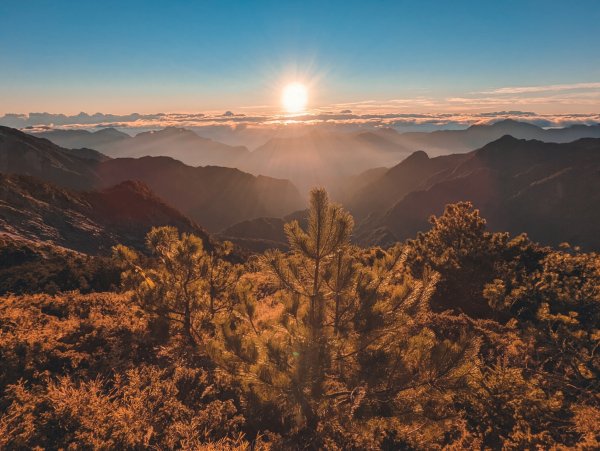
<point x="294" y="98"/>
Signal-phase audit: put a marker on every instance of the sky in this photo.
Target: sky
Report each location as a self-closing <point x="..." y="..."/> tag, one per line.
<point x="148" y="57"/>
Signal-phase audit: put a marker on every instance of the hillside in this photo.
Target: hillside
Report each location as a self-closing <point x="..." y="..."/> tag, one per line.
<point x="21" y="153"/>
<point x="450" y="141"/>
<point x="215" y="197"/>
<point x="100" y="140"/>
<point x="547" y="190"/>
<point x="410" y="174"/>
<point x="196" y="350"/>
<point x="179" y="143"/>
<point x="260" y="234"/>
<point x="321" y="158"/>
<point x="90" y="222"/>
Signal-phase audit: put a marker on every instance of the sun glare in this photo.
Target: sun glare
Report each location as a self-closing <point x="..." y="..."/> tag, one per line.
<point x="294" y="98"/>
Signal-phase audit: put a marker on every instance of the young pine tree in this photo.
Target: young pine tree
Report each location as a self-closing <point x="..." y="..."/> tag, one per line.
<point x="317" y="257"/>
<point x="348" y="337"/>
<point x="181" y="282"/>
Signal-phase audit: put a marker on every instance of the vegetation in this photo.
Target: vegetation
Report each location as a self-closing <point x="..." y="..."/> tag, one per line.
<point x="460" y="338"/>
<point x="26" y="267"/>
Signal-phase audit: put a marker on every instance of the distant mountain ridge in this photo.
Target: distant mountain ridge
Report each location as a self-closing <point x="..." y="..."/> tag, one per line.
<point x="21" y="153"/>
<point x="178" y="143"/>
<point x="78" y="138"/>
<point x="311" y="156"/>
<point x="457" y="141"/>
<point x="549" y="190"/>
<point x="215" y="197"/>
<point x="307" y="159"/>
<point x="320" y="158"/>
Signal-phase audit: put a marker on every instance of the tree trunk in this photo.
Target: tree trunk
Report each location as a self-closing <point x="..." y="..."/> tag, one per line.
<point x="187" y="321"/>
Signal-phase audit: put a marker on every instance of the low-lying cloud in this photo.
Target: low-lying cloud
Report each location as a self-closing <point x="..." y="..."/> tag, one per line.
<point x="344" y="117"/>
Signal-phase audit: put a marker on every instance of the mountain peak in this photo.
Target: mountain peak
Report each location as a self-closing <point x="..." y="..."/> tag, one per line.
<point x="111" y="131"/>
<point x="170" y="131"/>
<point x="504" y="144"/>
<point x="508" y="121"/>
<point x="416" y="157"/>
<point x="130" y="186"/>
<point x="505" y="124"/>
<point x="511" y="123"/>
<point x="507" y="139"/>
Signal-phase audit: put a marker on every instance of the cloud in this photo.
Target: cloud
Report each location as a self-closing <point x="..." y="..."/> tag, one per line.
<point x="543" y="88"/>
<point x="220" y="126"/>
<point x="52" y="119"/>
<point x="506" y="114"/>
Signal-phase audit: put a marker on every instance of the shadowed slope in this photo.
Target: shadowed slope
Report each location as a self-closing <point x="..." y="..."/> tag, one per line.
<point x="89" y="222"/>
<point x="215" y="197"/>
<point x="551" y="191"/>
<point x="21" y="153"/>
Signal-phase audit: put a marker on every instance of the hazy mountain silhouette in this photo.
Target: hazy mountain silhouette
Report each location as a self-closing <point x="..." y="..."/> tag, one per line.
<point x="550" y="191"/>
<point x="345" y="188"/>
<point x="215" y="197"/>
<point x="89" y="221"/>
<point x="450" y="141"/>
<point x="179" y="143"/>
<point x="21" y="153"/>
<point x="321" y="158"/>
<point x="315" y="157"/>
<point x="412" y="173"/>
<point x="100" y="140"/>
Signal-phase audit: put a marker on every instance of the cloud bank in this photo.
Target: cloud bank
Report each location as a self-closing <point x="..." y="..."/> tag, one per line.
<point x="344" y="117"/>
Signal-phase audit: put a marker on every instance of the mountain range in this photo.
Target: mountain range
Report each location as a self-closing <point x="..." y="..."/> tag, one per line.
<point x="442" y="142"/>
<point x="178" y="143"/>
<point x="320" y="158"/>
<point x="549" y="190"/>
<point x="215" y="197"/>
<point x="309" y="156"/>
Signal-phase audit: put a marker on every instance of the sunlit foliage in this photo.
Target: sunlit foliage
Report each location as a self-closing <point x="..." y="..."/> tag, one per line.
<point x="460" y="338"/>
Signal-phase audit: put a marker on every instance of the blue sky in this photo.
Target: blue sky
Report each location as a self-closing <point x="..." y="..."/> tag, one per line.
<point x="151" y="56"/>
